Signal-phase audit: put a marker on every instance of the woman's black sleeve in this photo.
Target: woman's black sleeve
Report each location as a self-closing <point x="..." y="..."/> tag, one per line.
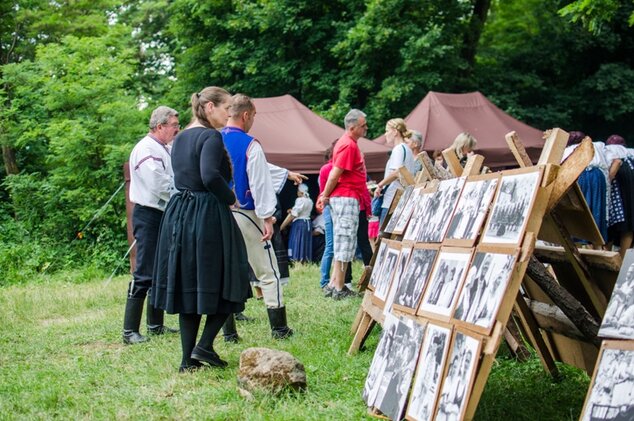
<point x="212" y="156"/>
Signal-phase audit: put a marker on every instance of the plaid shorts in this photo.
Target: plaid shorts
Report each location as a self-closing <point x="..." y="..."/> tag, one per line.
<point x="345" y="222"/>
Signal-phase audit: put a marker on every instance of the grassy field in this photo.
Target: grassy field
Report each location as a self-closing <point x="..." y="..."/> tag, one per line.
<point x="61" y="356"/>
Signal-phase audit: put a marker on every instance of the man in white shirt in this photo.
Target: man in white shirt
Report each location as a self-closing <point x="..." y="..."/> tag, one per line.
<point x="256" y="193"/>
<point x="151" y="186"/>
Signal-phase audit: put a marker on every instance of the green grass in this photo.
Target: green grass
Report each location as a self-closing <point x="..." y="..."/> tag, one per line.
<point x="61" y="356"/>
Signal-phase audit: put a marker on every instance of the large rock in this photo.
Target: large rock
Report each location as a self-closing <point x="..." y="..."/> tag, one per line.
<point x="271" y="370"/>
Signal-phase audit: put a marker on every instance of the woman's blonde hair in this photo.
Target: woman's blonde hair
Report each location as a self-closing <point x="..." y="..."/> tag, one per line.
<point x="400" y="126"/>
<point x="211" y="94"/>
<point x="464" y="139"/>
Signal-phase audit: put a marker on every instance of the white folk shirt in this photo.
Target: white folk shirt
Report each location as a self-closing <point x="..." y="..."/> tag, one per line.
<point x="260" y="182"/>
<point x="151" y="174"/>
<point x="279" y="176"/>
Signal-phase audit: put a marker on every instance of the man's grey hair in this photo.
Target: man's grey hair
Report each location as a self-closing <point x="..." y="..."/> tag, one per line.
<point x="161" y="115"/>
<point x="417" y="138"/>
<point x="352" y="118"/>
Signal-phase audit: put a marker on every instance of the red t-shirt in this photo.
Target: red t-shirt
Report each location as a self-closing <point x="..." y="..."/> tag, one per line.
<point x="324" y="172"/>
<point x="347" y="156"/>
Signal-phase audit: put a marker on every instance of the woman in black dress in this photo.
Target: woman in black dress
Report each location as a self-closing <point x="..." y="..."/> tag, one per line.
<point x="201" y="263"/>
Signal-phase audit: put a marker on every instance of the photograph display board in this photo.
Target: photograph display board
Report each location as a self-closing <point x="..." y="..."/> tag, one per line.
<point x="446" y="279"/>
<point x="414" y="279"/>
<point x="426" y="389"/>
<point x="618" y="321"/>
<point x="388" y="267"/>
<point x="403" y="259"/>
<point x="611" y="393"/>
<point x="378" y="263"/>
<point x="511" y="207"/>
<point x="403" y="203"/>
<point x="438" y="212"/>
<point x="483" y="290"/>
<point x="471" y="210"/>
<point x="459" y="376"/>
<point x="419" y="214"/>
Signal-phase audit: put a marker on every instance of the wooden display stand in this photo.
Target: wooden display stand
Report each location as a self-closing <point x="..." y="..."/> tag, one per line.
<point x="543" y="317"/>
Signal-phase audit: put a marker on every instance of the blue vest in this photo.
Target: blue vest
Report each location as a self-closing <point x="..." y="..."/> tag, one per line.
<point x="237" y="143"/>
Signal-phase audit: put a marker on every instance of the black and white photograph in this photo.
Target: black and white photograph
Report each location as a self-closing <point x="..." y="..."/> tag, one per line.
<point x="399" y="371"/>
<point x="403" y="259"/>
<point x="378" y="263"/>
<point x="419" y="213"/>
<point x="618" y="321"/>
<point x="426" y="386"/>
<point x="388" y="267"/>
<point x="463" y="359"/>
<point x="471" y="209"/>
<point x="446" y="278"/>
<point x="406" y="214"/>
<point x="611" y="394"/>
<point x="379" y="361"/>
<point x="439" y="211"/>
<point x="415" y="278"/>
<point x="403" y="203"/>
<point x="484" y="288"/>
<point x="511" y="208"/>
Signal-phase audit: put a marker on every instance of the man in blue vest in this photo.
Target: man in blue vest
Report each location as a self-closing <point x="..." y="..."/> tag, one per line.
<point x="254" y="188"/>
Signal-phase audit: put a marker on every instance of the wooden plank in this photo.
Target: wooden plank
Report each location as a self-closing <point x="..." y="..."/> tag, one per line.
<point x="357" y="320"/>
<point x="517" y="148"/>
<point x="531" y="327"/>
<point x="598" y="298"/>
<point x="473" y="165"/>
<point x="365" y="278"/>
<point x="599" y="259"/>
<point x="406" y="178"/>
<point x="453" y="163"/>
<point x="571" y="169"/>
<point x="553" y="147"/>
<point x="550" y="318"/>
<point x="576" y="353"/>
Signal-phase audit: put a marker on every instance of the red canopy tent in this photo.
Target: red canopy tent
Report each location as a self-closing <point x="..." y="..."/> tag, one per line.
<point x="296" y="138"/>
<point x="441" y="117"/>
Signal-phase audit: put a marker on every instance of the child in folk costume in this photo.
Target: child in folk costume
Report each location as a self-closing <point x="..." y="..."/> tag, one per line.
<point x="300" y="246"/>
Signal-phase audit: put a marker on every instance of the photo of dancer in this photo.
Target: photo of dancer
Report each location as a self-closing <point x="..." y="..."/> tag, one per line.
<point x="415" y="278"/>
<point x="618" y="321"/>
<point x="441" y="294"/>
<point x="471" y="209"/>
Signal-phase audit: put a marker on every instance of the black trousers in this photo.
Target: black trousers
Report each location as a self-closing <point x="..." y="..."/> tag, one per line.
<point x="363" y="242"/>
<point x="145" y="225"/>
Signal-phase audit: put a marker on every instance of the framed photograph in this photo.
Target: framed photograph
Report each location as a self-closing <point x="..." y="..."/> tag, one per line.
<point x="399" y="371"/>
<point x="388" y="267"/>
<point x="459" y="377"/>
<point x="431" y="364"/>
<point x="402" y="204"/>
<point x="403" y="258"/>
<point x="618" y="321"/>
<point x="378" y="262"/>
<point x="379" y="361"/>
<point x="446" y="279"/>
<point x="414" y="279"/>
<point x="404" y="217"/>
<point x="418" y="214"/>
<point x="612" y="385"/>
<point x="512" y="206"/>
<point x="471" y="209"/>
<point x="484" y="287"/>
<point x="439" y="210"/>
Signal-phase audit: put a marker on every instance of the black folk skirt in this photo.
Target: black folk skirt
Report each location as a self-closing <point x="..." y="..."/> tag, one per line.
<point x="201" y="264"/>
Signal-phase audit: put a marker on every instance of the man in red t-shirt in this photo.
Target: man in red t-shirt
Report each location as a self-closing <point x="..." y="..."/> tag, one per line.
<point x="344" y="191"/>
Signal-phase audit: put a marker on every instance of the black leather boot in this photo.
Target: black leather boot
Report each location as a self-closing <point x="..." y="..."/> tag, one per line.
<point x="154" y="318"/>
<point x="277" y="319"/>
<point x="229" y="331"/>
<point x="132" y="321"/>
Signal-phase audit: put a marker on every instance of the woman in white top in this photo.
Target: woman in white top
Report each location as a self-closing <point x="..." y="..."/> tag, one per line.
<point x="395" y="134"/>
<point x="463" y="145"/>
<point x="593" y="181"/>
<point x="621" y="212"/>
<point x="300" y="240"/>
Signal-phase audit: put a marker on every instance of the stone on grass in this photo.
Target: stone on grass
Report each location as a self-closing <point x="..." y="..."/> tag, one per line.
<point x="270" y="370"/>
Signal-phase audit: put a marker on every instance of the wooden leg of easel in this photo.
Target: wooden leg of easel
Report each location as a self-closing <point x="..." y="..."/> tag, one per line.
<point x="514" y="340"/>
<point x="365" y="327"/>
<point x="478" y="385"/>
<point x="357" y="320"/>
<point x="534" y="335"/>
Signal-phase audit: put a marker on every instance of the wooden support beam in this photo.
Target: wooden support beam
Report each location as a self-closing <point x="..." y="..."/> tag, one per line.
<point x="364" y="279"/>
<point x="517" y="148"/>
<point x="532" y="330"/>
<point x="597" y="297"/>
<point x="599" y="259"/>
<point x="406" y="178"/>
<point x="452" y="161"/>
<point x="473" y="165"/>
<point x="515" y="341"/>
<point x="570" y="171"/>
<point x="570" y="306"/>
<point x="554" y="147"/>
<point x="550" y="318"/>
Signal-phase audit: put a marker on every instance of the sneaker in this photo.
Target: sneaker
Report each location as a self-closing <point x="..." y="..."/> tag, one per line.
<point x="328" y="291"/>
<point x="344" y="293"/>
